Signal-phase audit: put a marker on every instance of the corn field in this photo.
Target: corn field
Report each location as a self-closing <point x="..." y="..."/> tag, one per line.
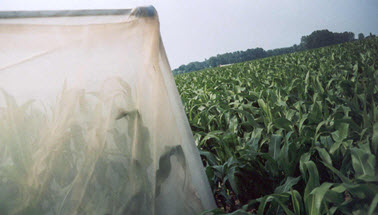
<point x="292" y="134"/>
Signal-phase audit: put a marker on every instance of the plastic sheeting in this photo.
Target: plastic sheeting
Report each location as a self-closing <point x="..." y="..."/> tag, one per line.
<point x="90" y="118"/>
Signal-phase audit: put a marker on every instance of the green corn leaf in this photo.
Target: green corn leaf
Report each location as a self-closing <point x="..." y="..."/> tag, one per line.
<point x="334" y="147"/>
<point x="324" y="155"/>
<point x="318" y="194"/>
<point x="263" y="202"/>
<point x="312" y="183"/>
<point x="256" y="136"/>
<point x="304" y="158"/>
<point x="212" y="135"/>
<point x="289" y="183"/>
<point x="306" y="83"/>
<point x="373" y="205"/>
<point x="336" y="198"/>
<point x="232" y="179"/>
<point x="338" y="173"/>
<point x="210" y="157"/>
<point x="274" y="146"/>
<point x="374" y="139"/>
<point x="341" y="133"/>
<point x="319" y="85"/>
<point x="284" y="207"/>
<point x="283" y="123"/>
<point x="363" y="164"/>
<point x="326" y="141"/>
<point x="301" y="122"/>
<point x="296" y="202"/>
<point x="318" y="128"/>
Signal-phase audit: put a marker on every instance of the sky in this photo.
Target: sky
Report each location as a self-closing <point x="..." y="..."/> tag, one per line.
<point x="194" y="30"/>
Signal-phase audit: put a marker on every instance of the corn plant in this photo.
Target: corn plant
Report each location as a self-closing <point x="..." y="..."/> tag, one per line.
<point x="292" y="134"/>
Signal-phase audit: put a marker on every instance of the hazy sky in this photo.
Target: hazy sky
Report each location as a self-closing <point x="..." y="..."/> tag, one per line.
<point x="193" y="30"/>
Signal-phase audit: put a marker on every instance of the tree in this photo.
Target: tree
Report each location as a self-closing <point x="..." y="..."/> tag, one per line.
<point x="322" y="38"/>
<point x="370" y="36"/>
<point x="318" y="39"/>
<point x="361" y="36"/>
<point x="315" y="40"/>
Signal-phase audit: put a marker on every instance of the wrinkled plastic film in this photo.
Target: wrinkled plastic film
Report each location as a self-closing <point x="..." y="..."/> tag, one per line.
<point x="91" y="121"/>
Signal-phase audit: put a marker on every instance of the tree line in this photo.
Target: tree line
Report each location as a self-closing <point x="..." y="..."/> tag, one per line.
<point x="316" y="39"/>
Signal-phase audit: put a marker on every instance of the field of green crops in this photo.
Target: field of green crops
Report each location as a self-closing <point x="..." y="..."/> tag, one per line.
<point x="293" y="134"/>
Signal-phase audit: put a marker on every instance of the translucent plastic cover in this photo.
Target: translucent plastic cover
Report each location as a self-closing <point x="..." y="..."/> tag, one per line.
<point x="90" y="118"/>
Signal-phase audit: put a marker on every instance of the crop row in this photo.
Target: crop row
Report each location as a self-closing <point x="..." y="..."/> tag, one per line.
<point x="293" y="134"/>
